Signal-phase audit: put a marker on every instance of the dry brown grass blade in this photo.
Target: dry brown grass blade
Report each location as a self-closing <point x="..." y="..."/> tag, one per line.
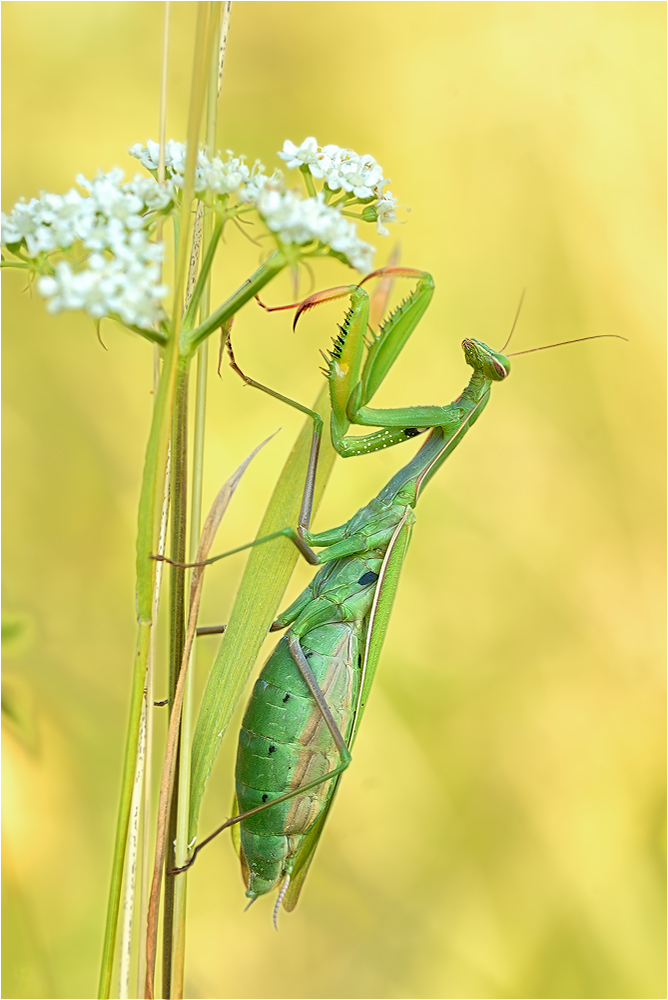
<point x="381" y="295"/>
<point x="209" y="530"/>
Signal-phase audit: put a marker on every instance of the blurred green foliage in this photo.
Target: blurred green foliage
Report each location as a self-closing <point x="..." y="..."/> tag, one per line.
<point x="501" y="831"/>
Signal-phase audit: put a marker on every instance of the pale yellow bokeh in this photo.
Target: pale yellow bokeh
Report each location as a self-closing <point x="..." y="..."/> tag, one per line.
<point x="500" y="833"/>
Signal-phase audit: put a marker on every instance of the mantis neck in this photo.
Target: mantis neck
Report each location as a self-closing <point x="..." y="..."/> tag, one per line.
<point x="477" y="387"/>
<point x="440" y="443"/>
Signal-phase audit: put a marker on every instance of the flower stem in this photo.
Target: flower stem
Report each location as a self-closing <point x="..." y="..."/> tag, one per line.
<point x="264" y="274"/>
<point x="201" y="298"/>
<point x="178" y="493"/>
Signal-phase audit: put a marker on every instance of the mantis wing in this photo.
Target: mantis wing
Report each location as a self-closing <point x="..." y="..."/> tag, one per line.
<point x="386" y="589"/>
<point x="381" y="608"/>
<point x="305" y="855"/>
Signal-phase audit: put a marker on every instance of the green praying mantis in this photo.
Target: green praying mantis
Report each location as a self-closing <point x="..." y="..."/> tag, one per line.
<point x="305" y="710"/>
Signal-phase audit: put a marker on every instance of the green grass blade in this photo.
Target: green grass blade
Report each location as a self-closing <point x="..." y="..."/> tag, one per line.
<point x="262" y="587"/>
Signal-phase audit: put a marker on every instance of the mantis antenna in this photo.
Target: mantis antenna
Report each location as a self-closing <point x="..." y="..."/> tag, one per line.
<point x="562" y="343"/>
<point x="517" y="316"/>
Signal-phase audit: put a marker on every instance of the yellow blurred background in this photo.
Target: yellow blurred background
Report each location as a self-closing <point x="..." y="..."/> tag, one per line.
<point x="501" y="831"/>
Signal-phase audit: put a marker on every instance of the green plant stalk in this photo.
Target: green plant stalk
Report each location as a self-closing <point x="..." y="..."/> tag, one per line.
<point x="178" y="495"/>
<point x="178" y="503"/>
<point x="177" y="601"/>
<point x="201" y="298"/>
<point x="181" y="845"/>
<point x="150" y="506"/>
<point x="262" y="587"/>
<point x="272" y="266"/>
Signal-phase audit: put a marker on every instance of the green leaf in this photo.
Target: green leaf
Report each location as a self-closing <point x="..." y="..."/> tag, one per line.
<point x="262" y="587"/>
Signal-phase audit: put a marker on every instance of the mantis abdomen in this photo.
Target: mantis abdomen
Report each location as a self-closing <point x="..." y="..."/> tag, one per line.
<point x="285" y="742"/>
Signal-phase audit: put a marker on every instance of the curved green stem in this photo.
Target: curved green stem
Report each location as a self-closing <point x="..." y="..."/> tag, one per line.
<point x="264" y="274"/>
<point x="153" y="336"/>
<point x="15" y="263"/>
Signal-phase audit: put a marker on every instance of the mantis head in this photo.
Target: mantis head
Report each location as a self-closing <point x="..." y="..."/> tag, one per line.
<point x="491" y="364"/>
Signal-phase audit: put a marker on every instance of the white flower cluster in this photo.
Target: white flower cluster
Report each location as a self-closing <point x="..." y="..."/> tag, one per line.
<point x="119" y="272"/>
<point x="341" y="168"/>
<point x="293" y="219"/>
<point x="130" y="289"/>
<point x="213" y="176"/>
<point x="121" y="275"/>
<point x="298" y="220"/>
<point x="259" y="182"/>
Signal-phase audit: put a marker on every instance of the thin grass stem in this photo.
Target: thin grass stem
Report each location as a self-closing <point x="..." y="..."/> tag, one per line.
<point x="148" y="770"/>
<point x="150" y="664"/>
<point x="131" y="863"/>
<point x="179" y="491"/>
<point x="202" y="291"/>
